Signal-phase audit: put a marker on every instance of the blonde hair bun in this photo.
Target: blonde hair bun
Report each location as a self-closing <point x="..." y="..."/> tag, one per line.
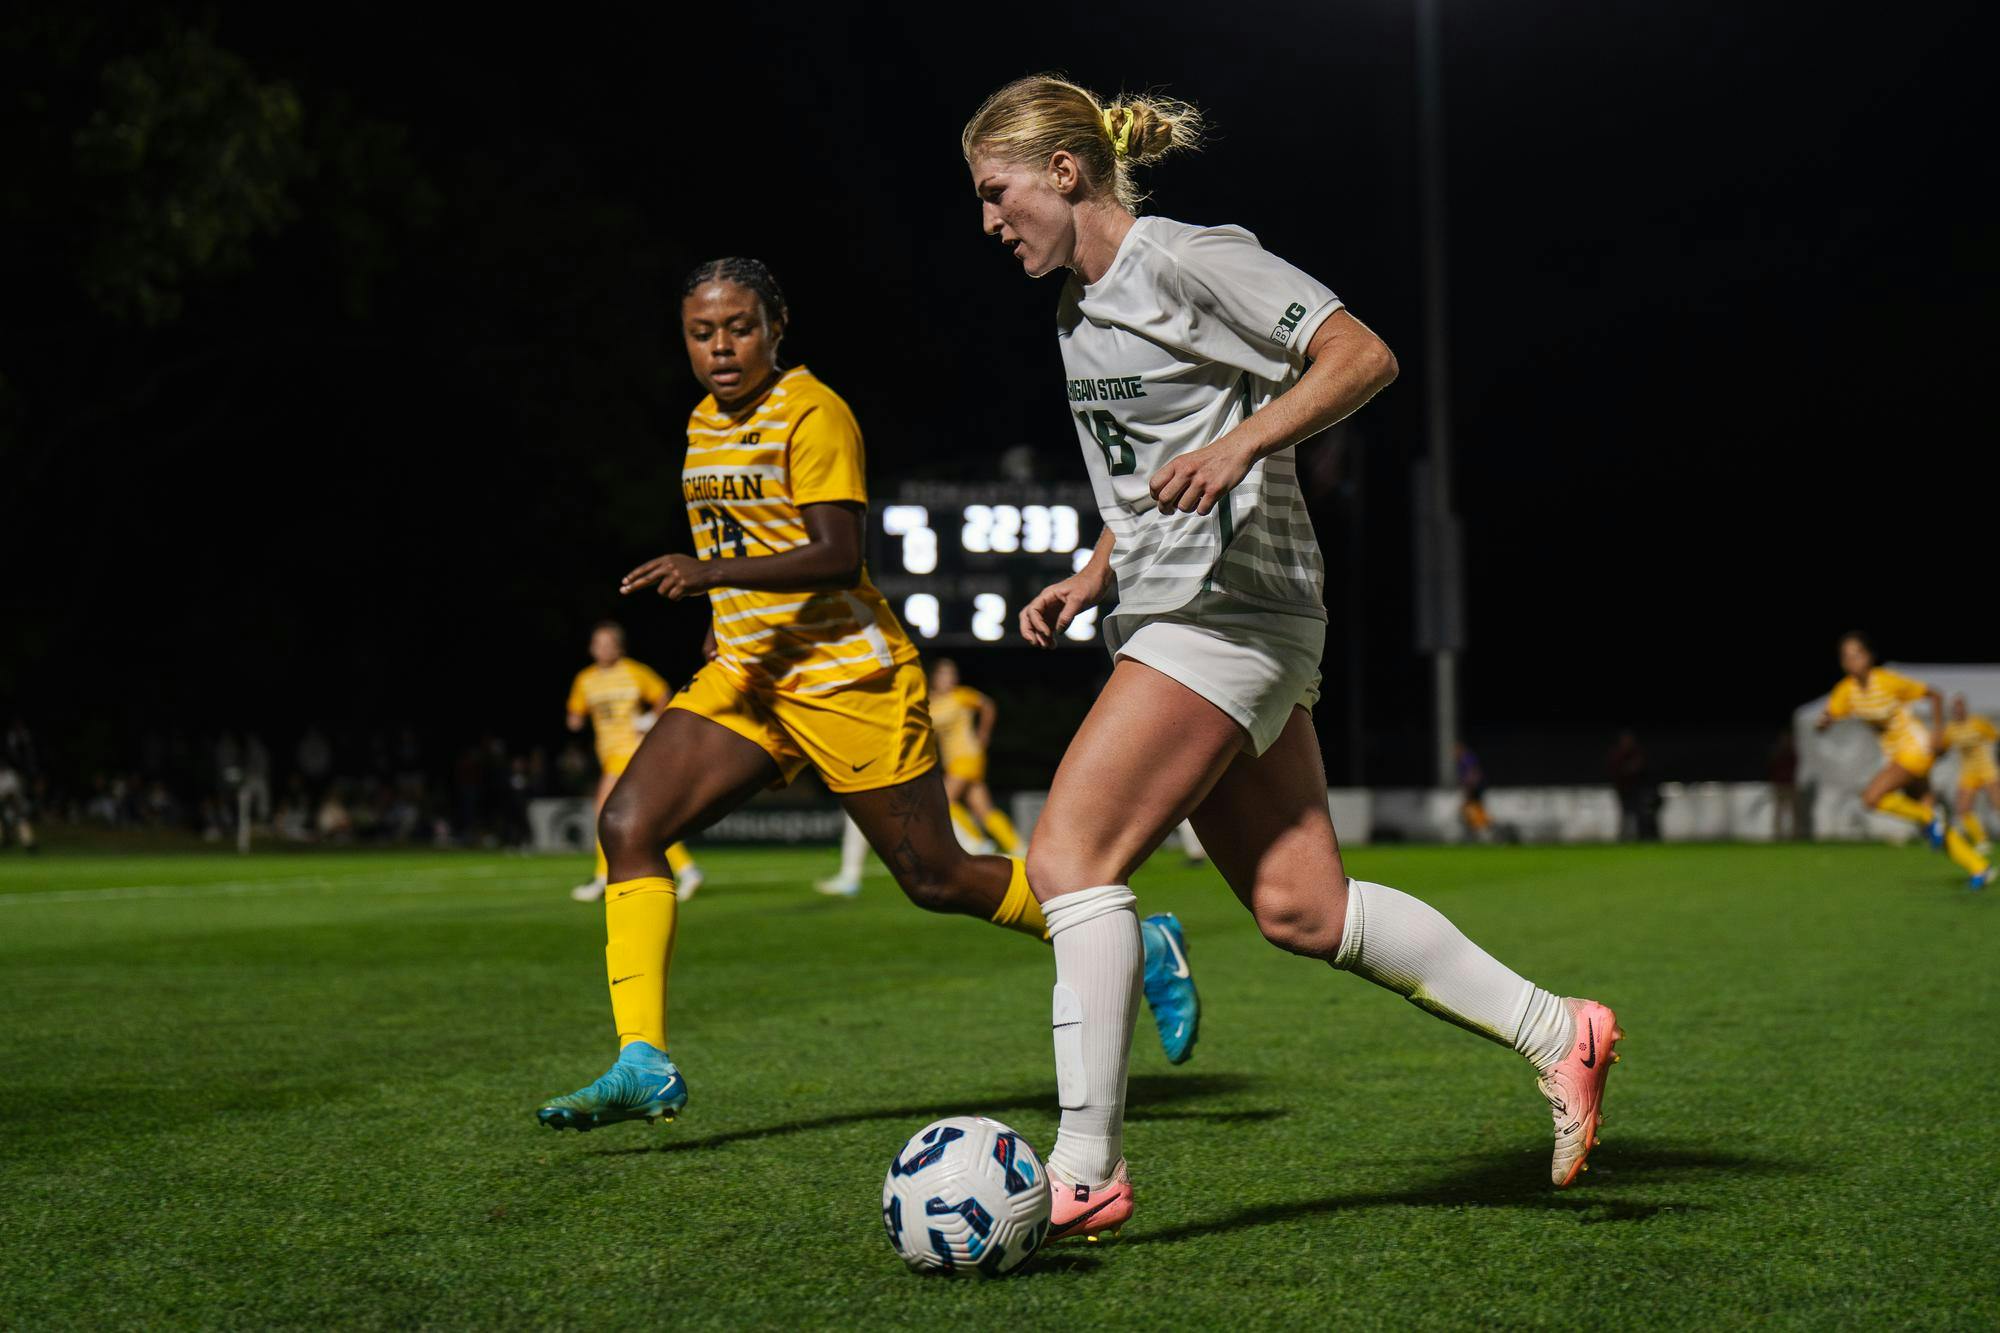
<point x="1032" y="119"/>
<point x="1160" y="125"/>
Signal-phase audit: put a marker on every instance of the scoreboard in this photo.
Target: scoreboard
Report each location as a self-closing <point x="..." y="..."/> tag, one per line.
<point x="959" y="560"/>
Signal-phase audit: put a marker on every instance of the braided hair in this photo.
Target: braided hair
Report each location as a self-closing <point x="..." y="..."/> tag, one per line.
<point x="753" y="275"/>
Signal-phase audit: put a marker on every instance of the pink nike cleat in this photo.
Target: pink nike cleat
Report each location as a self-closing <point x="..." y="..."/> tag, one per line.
<point x="1090" y="1211"/>
<point x="1575" y="1088"/>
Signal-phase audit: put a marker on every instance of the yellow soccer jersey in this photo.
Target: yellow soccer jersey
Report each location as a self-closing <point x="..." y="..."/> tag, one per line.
<point x="1884" y="704"/>
<point x="745" y="481"/>
<point x="956" y="717"/>
<point x="613" y="697"/>
<point x="1973" y="741"/>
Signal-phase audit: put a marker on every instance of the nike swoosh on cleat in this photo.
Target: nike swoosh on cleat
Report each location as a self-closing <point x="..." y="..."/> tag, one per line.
<point x="1173" y="947"/>
<point x="1590" y="1062"/>
<point x="1081" y="1218"/>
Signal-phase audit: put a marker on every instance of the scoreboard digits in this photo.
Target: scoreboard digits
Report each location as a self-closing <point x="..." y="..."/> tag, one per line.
<point x="959" y="561"/>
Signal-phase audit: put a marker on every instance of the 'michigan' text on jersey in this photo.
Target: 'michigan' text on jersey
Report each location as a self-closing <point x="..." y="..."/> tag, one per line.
<point x="747" y="478"/>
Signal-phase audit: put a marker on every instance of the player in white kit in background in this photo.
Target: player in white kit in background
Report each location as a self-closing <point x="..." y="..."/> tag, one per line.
<point x="1196" y="361"/>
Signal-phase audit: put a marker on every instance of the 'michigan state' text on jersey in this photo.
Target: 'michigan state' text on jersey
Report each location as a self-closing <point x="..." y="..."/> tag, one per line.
<point x="1188" y="332"/>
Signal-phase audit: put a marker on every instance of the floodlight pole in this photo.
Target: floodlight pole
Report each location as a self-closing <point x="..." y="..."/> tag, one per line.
<point x="1437" y="387"/>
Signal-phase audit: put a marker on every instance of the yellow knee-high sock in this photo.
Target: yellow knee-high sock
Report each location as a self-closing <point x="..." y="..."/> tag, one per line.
<point x="679" y="858"/>
<point x="1019" y="910"/>
<point x="638" y="951"/>
<point x="966" y="823"/>
<point x="1975" y="831"/>
<point x="1961" y="853"/>
<point x="1903" y="806"/>
<point x="603" y="866"/>
<point x="1001" y="830"/>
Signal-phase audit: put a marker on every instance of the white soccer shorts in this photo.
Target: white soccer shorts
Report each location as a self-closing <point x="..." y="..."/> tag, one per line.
<point x="1254" y="664"/>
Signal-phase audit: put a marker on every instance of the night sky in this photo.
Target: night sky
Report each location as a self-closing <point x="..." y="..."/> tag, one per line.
<point x="1720" y="310"/>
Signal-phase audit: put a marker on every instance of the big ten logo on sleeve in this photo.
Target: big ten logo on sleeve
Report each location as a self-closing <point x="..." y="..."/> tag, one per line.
<point x="1288" y="324"/>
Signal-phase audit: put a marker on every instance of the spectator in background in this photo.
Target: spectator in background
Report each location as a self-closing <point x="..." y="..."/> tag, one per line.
<point x="15" y="821"/>
<point x="1782" y="769"/>
<point x="257" y="778"/>
<point x="1471" y="793"/>
<point x="294" y="820"/>
<point x="1638" y="800"/>
<point x="20" y="783"/>
<point x="573" y="772"/>
<point x="315" y="759"/>
<point x="228" y="765"/>
<point x="102" y="807"/>
<point x="468" y="793"/>
<point x="335" y="823"/>
<point x="17" y="751"/>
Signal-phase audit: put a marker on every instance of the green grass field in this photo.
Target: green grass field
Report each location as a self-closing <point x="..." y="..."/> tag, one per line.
<point x="298" y="1090"/>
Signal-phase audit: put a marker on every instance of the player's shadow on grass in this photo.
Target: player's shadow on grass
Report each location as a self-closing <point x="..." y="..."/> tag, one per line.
<point x="1512" y="1180"/>
<point x="1151" y="1097"/>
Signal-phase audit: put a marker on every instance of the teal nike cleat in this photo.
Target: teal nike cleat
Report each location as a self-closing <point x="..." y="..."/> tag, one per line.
<point x="643" y="1085"/>
<point x="1169" y="986"/>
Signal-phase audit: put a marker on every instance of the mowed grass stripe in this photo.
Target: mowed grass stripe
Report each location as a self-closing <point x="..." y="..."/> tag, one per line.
<point x="430" y="879"/>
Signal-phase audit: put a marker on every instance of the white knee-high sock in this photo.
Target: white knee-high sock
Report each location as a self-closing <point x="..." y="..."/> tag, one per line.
<point x="1408" y="946"/>
<point x="853" y="851"/>
<point x="1098" y="953"/>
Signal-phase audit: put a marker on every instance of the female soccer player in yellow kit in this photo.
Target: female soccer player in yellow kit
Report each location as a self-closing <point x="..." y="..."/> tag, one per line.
<point x="1972" y="739"/>
<point x="964" y="720"/>
<point x="1882" y="698"/>
<point x="808" y="668"/>
<point x="619" y="699"/>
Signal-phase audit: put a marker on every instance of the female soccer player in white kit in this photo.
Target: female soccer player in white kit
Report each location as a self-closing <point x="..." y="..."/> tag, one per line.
<point x="1196" y="361"/>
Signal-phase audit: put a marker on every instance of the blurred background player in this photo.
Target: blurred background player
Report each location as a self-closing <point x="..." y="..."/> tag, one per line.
<point x="964" y="720"/>
<point x="1882" y="698"/>
<point x="620" y="698"/>
<point x="19" y="769"/>
<point x="1471" y="793"/>
<point x="808" y="668"/>
<point x="1638" y="796"/>
<point x="14" y="817"/>
<point x="853" y="855"/>
<point x="1971" y="737"/>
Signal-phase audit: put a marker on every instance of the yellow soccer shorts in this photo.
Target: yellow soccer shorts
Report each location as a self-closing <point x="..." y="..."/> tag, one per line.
<point x="1974" y="775"/>
<point x="969" y="765"/>
<point x="1914" y="759"/>
<point x="859" y="738"/>
<point x="614" y="764"/>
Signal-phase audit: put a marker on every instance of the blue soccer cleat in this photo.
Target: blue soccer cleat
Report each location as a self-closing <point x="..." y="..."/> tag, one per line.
<point x="1169" y="986"/>
<point x="1936" y="828"/>
<point x="1984" y="878"/>
<point x="643" y="1085"/>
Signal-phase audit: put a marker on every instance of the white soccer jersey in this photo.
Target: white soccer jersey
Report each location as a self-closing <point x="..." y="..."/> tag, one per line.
<point x="1188" y="332"/>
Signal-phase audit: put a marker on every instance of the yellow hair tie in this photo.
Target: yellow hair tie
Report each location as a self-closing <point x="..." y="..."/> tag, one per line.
<point x="1121" y="138"/>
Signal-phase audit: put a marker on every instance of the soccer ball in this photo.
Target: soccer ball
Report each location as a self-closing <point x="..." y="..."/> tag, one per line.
<point x="966" y="1195"/>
